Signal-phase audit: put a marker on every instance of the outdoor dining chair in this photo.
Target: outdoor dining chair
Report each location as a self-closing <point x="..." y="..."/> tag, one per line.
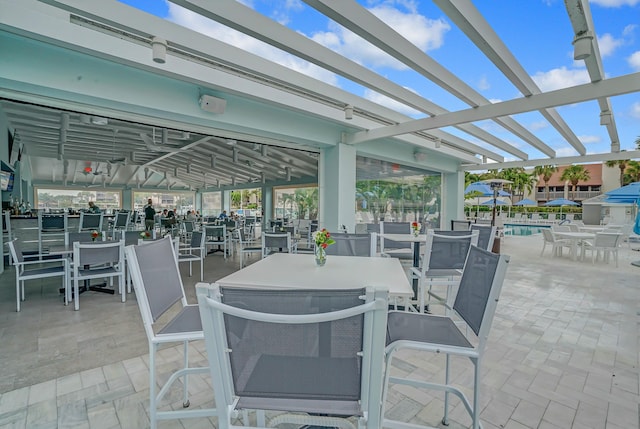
<point x="443" y="259"/>
<point x="486" y="235"/>
<point x="316" y="355"/>
<point x="246" y="247"/>
<point x="556" y="243"/>
<point x="464" y="334"/>
<point x="97" y="260"/>
<point x="31" y="270"/>
<point x="193" y="252"/>
<point x="350" y="244"/>
<point x="217" y="237"/>
<point x="51" y="227"/>
<point x="276" y="242"/>
<point x="605" y="243"/>
<point x="395" y="249"/>
<point x="90" y="221"/>
<point x="167" y="318"/>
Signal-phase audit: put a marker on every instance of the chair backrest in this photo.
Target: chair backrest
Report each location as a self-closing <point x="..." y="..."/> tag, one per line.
<point x="218" y="232"/>
<point x="607" y="239"/>
<point x="52" y="222"/>
<point x="90" y="221"/>
<point x="350" y="244"/>
<point x="274" y="241"/>
<point x="272" y="348"/>
<point x="197" y="240"/>
<point x="479" y="289"/>
<point x="460" y="225"/>
<point x="574" y="227"/>
<point x="156" y="279"/>
<point x="547" y="235"/>
<point x="15" y="248"/>
<point x="188" y="226"/>
<point x="394" y="228"/>
<point x="445" y="250"/>
<point x="73" y="237"/>
<point x="130" y="237"/>
<point x="486" y="235"/>
<point x="122" y="219"/>
<point x="560" y="228"/>
<point x="97" y="253"/>
<point x="290" y="229"/>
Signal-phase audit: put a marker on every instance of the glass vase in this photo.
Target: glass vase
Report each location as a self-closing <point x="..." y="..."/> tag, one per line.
<point x="321" y="256"/>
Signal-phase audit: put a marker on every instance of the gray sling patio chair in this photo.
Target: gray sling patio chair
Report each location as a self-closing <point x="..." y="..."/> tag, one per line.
<point x="276" y="242"/>
<point x="317" y="355"/>
<point x="350" y="244"/>
<point x="246" y="247"/>
<point x="465" y="334"/>
<point x="160" y="296"/>
<point x="90" y="221"/>
<point x="97" y="260"/>
<point x="486" y="235"/>
<point x="443" y="259"/>
<point x="24" y="272"/>
<point x="195" y="252"/>
<point x="395" y="249"/>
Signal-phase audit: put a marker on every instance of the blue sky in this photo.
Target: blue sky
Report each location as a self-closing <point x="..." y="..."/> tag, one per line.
<point x="538" y="32"/>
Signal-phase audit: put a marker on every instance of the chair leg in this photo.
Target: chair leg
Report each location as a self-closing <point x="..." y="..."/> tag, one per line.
<point x="18" y="287"/>
<point x="476" y="394"/>
<point x="123" y="289"/>
<point x="445" y="417"/>
<point x="152" y="385"/>
<point x="185" y="379"/>
<point x="76" y="297"/>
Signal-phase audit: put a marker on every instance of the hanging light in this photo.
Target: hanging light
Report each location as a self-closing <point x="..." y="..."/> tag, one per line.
<point x="348" y="112"/>
<point x="582" y="45"/>
<point x="235" y="155"/>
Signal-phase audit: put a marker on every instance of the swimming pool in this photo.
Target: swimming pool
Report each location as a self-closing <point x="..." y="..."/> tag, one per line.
<point x="513" y="229"/>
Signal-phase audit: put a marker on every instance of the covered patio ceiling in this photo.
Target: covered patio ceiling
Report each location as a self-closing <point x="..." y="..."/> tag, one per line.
<point x="179" y="155"/>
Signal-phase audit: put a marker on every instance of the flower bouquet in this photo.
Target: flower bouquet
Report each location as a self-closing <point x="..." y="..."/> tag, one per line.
<point x="415" y="228"/>
<point x="145" y="235"/>
<point x="323" y="239"/>
<point x="95" y="234"/>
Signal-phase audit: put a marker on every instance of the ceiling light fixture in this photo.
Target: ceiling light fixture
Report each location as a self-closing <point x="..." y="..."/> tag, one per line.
<point x="287" y="171"/>
<point x="263" y="177"/>
<point x="582" y="45"/>
<point x="213" y="161"/>
<point x="165" y="136"/>
<point x="348" y="112"/>
<point x="159" y="50"/>
<point x="235" y="155"/>
<point x="264" y="150"/>
<point x="189" y="166"/>
<point x="438" y="142"/>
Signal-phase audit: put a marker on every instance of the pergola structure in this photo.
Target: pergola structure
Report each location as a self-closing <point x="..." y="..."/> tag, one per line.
<point x="157" y="104"/>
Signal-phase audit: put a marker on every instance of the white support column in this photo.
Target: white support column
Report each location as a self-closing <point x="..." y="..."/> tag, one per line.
<point x="452" y="198"/>
<point x="337" y="187"/>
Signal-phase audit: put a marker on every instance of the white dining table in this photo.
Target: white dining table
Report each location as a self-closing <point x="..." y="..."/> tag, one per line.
<point x="290" y="270"/>
<point x="575" y="238"/>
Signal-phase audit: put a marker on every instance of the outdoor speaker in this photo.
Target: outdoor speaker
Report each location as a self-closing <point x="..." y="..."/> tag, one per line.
<point x="213" y="104"/>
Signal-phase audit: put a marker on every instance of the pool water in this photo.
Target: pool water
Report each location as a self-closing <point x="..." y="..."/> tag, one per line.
<point x="513" y="229"/>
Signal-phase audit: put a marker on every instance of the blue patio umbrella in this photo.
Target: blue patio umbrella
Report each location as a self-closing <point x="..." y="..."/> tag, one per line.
<point x="498" y="203"/>
<point x="636" y="225"/>
<point x="627" y="192"/>
<point x="484" y="189"/>
<point x="561" y="202"/>
<point x="526" y="202"/>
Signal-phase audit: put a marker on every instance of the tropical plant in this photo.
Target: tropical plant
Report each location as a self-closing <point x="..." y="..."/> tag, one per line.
<point x="522" y="181"/>
<point x="622" y="165"/>
<point x="575" y="174"/>
<point x="637" y="142"/>
<point x="632" y="173"/>
<point x="545" y="171"/>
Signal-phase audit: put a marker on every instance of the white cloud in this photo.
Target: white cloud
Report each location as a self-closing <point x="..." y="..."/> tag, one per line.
<point x="391" y="104"/>
<point x="195" y="22"/>
<point x="566" y="151"/>
<point x="586" y="139"/>
<point x="426" y="34"/>
<point x="615" y="3"/>
<point x="608" y="44"/>
<point x="560" y="78"/>
<point x="634" y="60"/>
<point x="635" y="110"/>
<point x="540" y="125"/>
<point x="629" y="30"/>
<point x="483" y="84"/>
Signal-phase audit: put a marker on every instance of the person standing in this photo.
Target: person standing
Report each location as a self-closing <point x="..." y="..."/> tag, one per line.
<point x="149" y="214"/>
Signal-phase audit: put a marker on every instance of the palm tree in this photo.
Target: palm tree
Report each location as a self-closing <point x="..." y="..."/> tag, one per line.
<point x="546" y="171"/>
<point x="622" y="165"/>
<point x="575" y="174"/>
<point x="632" y="173"/>
<point x="637" y="142"/>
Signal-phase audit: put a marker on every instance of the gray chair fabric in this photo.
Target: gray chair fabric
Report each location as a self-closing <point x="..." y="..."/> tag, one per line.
<point x="217" y="236"/>
<point x="246" y="247"/>
<point x="90" y="221"/>
<point x="159" y="289"/>
<point x="276" y="242"/>
<point x="51" y="227"/>
<point x="349" y="244"/>
<point x="486" y="235"/>
<point x="195" y="251"/>
<point x="395" y="249"/>
<point x="475" y="304"/>
<point x="55" y="268"/>
<point x="264" y="355"/>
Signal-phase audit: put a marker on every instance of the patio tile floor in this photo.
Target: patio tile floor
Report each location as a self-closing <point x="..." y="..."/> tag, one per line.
<point x="563" y="353"/>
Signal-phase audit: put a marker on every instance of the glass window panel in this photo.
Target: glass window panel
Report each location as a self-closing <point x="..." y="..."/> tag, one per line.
<point x="63" y="199"/>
